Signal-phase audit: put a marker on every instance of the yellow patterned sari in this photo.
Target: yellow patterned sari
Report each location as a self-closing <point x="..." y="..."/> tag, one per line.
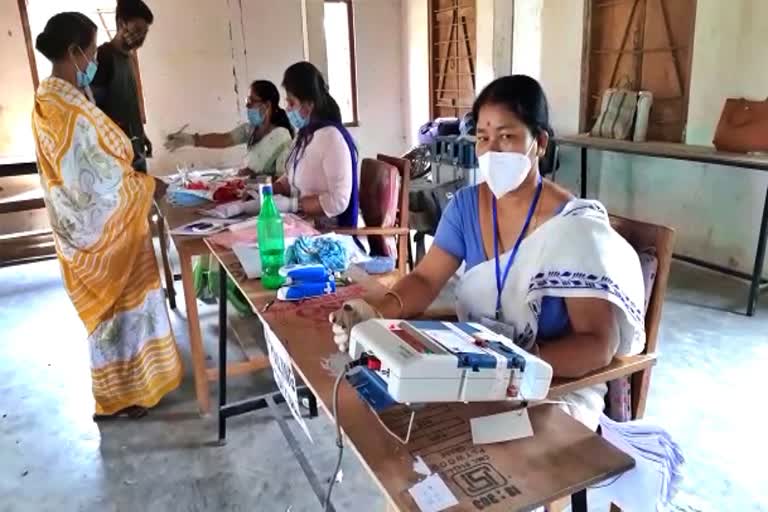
<point x="98" y="207"/>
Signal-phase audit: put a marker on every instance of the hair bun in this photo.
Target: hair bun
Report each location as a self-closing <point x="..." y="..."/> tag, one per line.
<point x="44" y="44"/>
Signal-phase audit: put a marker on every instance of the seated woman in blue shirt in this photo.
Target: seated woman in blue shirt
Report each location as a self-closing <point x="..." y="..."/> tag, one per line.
<point x="542" y="267"/>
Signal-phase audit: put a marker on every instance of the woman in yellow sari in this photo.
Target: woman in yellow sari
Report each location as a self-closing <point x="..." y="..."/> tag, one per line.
<point x="98" y="208"/>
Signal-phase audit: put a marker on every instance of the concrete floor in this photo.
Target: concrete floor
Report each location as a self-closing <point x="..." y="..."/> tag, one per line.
<point x="53" y="457"/>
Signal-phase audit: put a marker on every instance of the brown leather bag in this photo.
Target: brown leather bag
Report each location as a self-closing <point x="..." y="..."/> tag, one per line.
<point x="743" y="126"/>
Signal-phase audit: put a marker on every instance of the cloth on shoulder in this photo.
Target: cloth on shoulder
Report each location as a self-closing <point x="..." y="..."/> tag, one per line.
<point x="576" y="254"/>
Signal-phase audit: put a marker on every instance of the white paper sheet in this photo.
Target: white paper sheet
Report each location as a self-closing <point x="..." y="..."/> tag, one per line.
<point x="638" y="489"/>
<point x="501" y="427"/>
<point x="249" y="258"/>
<point x="432" y="495"/>
<point x="201" y="227"/>
<point x="452" y="341"/>
<point x="282" y="370"/>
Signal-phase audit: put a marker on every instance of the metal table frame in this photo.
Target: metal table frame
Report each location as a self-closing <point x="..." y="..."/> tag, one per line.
<point x="269" y="400"/>
<point x="757" y="282"/>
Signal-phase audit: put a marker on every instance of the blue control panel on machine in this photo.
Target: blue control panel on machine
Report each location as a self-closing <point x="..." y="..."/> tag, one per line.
<point x="474" y="360"/>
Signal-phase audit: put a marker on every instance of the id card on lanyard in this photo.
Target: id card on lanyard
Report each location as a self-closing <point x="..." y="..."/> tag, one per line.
<point x="501" y="279"/>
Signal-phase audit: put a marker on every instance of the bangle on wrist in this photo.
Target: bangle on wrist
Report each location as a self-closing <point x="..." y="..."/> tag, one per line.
<point x="392" y="293"/>
<point x="196" y="138"/>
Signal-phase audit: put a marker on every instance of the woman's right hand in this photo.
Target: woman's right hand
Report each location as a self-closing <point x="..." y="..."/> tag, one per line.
<point x="175" y="141"/>
<point x="351" y="313"/>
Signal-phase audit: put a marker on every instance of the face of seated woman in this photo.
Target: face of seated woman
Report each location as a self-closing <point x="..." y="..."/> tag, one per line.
<point x="501" y="133"/>
<point x="500" y="130"/>
<point x="294" y="104"/>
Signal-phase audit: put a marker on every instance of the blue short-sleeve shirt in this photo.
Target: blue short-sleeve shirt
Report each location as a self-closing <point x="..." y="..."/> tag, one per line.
<point x="459" y="234"/>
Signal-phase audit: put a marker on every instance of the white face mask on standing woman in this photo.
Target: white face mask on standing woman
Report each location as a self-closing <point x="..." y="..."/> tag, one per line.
<point x="504" y="171"/>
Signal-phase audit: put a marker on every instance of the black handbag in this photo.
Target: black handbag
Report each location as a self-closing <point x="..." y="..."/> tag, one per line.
<point x="428" y="201"/>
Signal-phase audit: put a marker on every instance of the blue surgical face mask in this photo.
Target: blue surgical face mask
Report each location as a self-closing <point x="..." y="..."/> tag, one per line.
<point x="255" y="117"/>
<point x="297" y="120"/>
<point x="84" y="79"/>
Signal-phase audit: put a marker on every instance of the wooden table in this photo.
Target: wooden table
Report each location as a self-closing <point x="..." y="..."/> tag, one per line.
<point x="188" y="247"/>
<point x="689" y="153"/>
<point x="562" y="459"/>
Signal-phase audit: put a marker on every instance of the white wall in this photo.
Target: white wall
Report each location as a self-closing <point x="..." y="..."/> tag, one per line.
<point x="494" y="40"/>
<point x="16" y="90"/>
<point x="379" y="78"/>
<point x="527" y="38"/>
<point x="187" y="72"/>
<point x="415" y="66"/>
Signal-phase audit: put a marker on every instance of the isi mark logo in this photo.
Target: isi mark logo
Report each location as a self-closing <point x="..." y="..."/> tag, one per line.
<point x="486" y="485"/>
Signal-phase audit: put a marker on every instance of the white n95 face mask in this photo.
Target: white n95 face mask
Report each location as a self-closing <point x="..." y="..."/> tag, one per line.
<point x="504" y="172"/>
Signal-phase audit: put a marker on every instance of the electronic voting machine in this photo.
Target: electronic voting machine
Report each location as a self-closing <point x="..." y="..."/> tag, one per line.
<point x="429" y="361"/>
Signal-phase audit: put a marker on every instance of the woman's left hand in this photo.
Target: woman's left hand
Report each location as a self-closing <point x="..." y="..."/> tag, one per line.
<point x="160" y="189"/>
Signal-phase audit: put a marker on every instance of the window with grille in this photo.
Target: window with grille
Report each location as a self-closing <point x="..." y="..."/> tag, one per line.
<point x="640" y="45"/>
<point x="453" y="53"/>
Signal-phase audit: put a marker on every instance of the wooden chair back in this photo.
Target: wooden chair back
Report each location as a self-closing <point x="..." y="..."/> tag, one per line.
<point x="404" y="168"/>
<point x="400" y="230"/>
<point x="642" y="236"/>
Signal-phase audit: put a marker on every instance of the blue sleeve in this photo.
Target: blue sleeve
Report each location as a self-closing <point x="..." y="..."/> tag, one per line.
<point x="450" y="235"/>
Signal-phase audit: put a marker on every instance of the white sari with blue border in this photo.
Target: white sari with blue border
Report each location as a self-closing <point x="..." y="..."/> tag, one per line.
<point x="575" y="254"/>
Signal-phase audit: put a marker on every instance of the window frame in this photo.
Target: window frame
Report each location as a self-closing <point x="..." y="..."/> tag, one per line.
<point x="352" y="58"/>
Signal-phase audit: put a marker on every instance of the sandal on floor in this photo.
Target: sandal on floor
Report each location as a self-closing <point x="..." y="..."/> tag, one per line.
<point x="133" y="412"/>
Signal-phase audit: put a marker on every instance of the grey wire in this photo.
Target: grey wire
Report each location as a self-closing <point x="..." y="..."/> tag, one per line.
<point x="615" y="479"/>
<point x="339" y="439"/>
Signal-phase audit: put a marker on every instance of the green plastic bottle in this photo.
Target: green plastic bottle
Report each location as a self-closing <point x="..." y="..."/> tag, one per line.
<point x="271" y="240"/>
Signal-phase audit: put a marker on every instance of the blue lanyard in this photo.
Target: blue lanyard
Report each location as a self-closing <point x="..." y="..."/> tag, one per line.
<point x="501" y="280"/>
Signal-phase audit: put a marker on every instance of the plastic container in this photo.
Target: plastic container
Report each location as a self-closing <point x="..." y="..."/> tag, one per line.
<point x="271" y="241"/>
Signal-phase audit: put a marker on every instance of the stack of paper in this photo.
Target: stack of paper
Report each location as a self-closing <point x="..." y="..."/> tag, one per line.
<point x="653" y="482"/>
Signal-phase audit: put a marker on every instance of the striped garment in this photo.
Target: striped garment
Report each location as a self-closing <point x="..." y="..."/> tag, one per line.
<point x="98" y="207"/>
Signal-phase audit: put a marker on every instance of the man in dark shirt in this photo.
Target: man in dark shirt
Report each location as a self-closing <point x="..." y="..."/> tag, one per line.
<point x="115" y="87"/>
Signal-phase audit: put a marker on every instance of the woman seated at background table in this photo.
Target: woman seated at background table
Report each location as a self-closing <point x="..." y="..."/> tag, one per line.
<point x="98" y="208"/>
<point x="542" y="267"/>
<point x="267" y="134"/>
<point x="321" y="179"/>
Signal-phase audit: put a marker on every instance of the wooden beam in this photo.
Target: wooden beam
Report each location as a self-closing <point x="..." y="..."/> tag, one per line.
<point x="28" y="40"/>
<point x="623" y="42"/>
<point x="22" y="206"/>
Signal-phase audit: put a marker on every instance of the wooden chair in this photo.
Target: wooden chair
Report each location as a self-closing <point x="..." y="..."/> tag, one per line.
<point x="372" y="175"/>
<point x="641" y="236"/>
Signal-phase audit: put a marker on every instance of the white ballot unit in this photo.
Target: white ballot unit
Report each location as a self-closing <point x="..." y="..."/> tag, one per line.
<point x="432" y="361"/>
